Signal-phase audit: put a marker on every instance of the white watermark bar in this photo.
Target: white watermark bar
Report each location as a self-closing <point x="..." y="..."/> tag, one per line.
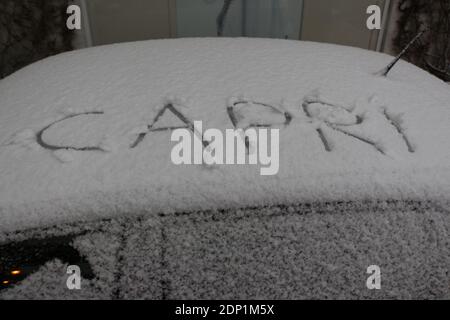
<point x="252" y="146"/>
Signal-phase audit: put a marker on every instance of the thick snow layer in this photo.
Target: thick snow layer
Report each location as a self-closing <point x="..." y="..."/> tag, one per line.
<point x="353" y="135"/>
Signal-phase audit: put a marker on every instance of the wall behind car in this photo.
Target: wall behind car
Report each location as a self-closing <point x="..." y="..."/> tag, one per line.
<point x="340" y="22"/>
<point x="114" y="21"/>
<point x="262" y="18"/>
<point x="335" y="21"/>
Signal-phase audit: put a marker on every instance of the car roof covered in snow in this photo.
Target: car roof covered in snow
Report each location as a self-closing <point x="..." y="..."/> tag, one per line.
<point x="69" y="127"/>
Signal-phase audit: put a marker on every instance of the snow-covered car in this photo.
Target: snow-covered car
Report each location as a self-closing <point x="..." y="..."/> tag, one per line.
<point x="362" y="190"/>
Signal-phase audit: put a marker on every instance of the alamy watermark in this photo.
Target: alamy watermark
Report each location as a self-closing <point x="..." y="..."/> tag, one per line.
<point x="374" y="20"/>
<point x="252" y="146"/>
<point x="374" y="280"/>
<point x="74" y="279"/>
<point x="74" y="20"/>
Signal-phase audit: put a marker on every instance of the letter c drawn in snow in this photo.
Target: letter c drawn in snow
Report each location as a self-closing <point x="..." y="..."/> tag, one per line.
<point x="45" y="145"/>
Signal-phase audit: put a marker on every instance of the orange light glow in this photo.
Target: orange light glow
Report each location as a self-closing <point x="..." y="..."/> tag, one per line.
<point x="5" y="282"/>
<point x="16" y="272"/>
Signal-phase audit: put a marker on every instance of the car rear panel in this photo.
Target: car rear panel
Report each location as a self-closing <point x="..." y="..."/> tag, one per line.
<point x="316" y="250"/>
